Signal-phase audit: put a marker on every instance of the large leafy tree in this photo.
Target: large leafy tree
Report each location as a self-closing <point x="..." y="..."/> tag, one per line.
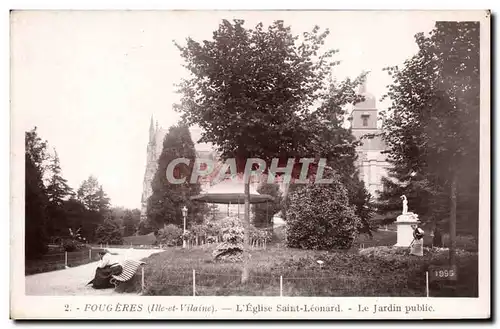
<point x="254" y="92"/>
<point x="36" y="199"/>
<point x="168" y="198"/>
<point x="432" y="127"/>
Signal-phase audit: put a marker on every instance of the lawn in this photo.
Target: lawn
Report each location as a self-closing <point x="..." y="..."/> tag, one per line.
<point x="343" y="273"/>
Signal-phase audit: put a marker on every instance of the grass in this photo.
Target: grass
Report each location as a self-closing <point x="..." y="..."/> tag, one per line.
<point x="55" y="260"/>
<point x="344" y="273"/>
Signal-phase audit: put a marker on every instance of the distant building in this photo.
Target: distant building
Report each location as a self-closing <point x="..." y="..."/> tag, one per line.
<point x="372" y="163"/>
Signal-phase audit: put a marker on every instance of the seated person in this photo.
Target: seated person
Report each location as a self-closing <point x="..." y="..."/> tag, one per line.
<point x="107" y="266"/>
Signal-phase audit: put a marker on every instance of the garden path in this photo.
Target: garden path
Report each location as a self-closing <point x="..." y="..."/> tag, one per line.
<point x="72" y="281"/>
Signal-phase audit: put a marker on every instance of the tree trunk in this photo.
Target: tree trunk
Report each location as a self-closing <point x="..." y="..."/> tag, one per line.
<point x="285" y="201"/>
<point x="246" y="225"/>
<point x="453" y="217"/>
<point x="285" y="205"/>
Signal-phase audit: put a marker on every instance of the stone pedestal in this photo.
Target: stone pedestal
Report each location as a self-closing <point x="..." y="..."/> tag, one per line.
<point x="404" y="229"/>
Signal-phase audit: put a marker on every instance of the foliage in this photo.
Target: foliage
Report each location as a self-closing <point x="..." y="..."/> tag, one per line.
<point x="109" y="232"/>
<point x="36" y="199"/>
<point x="361" y="200"/>
<point x="170" y="234"/>
<point x="251" y="89"/>
<point x="168" y="198"/>
<point x="320" y="217"/>
<point x="432" y="127"/>
<point x="58" y="191"/>
<point x="264" y="212"/>
<point x="231" y="249"/>
<point x="97" y="208"/>
<point x="131" y="222"/>
<point x="144" y="227"/>
<point x="231" y="229"/>
<point x="91" y="194"/>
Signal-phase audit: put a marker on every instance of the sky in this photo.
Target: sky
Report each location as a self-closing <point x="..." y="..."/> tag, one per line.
<point x="91" y="80"/>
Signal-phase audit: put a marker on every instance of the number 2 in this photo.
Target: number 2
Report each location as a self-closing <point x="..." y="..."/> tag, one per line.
<point x="66" y="307"/>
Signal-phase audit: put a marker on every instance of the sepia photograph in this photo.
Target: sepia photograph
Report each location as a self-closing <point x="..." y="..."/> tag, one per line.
<point x="161" y="160"/>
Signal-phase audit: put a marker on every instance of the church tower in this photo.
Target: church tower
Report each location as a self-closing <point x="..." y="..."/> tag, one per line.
<point x="154" y="149"/>
<point x="151" y="165"/>
<point x="371" y="163"/>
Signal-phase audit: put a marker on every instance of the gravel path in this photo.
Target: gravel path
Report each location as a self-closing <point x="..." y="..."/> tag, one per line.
<point x="72" y="281"/>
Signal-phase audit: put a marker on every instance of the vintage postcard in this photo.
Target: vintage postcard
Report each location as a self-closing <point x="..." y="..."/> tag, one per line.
<point x="250" y="164"/>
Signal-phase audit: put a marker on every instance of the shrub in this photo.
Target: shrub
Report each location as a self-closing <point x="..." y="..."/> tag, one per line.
<point x="231" y="228"/>
<point x="463" y="242"/>
<point x="70" y="245"/>
<point x="232" y="235"/>
<point x="170" y="234"/>
<point x="109" y="232"/>
<point x="319" y="217"/>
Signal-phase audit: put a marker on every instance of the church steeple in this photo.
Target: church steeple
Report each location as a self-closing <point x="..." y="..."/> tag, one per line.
<point x="151" y="131"/>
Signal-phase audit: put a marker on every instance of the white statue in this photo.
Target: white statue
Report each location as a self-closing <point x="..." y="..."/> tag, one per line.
<point x="405" y="204"/>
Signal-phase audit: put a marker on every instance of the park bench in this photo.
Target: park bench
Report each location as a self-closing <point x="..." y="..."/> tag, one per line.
<point x="129" y="269"/>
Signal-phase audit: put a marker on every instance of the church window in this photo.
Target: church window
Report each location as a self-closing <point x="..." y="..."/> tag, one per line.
<point x="365" y="121"/>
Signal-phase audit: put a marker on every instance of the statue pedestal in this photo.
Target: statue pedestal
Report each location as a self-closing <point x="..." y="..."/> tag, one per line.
<point x="405" y="231"/>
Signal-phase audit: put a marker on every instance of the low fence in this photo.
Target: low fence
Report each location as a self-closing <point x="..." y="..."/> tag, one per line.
<point x="203" y="283"/>
<point x="61" y="260"/>
<point x="256" y="245"/>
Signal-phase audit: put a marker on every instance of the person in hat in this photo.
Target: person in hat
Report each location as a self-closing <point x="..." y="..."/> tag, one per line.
<point x="417" y="245"/>
<point x="108" y="266"/>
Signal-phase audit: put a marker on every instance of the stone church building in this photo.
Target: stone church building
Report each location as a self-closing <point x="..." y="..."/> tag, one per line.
<point x="372" y="163"/>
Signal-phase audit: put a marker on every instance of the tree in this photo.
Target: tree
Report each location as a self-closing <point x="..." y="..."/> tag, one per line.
<point x="253" y="93"/>
<point x="88" y="194"/>
<point x="432" y="126"/>
<point x="168" y="198"/>
<point x="426" y="195"/>
<point x="361" y="200"/>
<point x="58" y="191"/>
<point x="264" y="212"/>
<point x="36" y="199"/>
<point x="320" y="217"/>
<point x="130" y="223"/>
<point x="145" y="227"/>
<point x="97" y="205"/>
<point x="109" y="232"/>
<point x="76" y="216"/>
<point x="338" y="145"/>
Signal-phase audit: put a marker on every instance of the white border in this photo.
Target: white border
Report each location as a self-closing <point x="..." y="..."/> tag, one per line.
<point x="50" y="307"/>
